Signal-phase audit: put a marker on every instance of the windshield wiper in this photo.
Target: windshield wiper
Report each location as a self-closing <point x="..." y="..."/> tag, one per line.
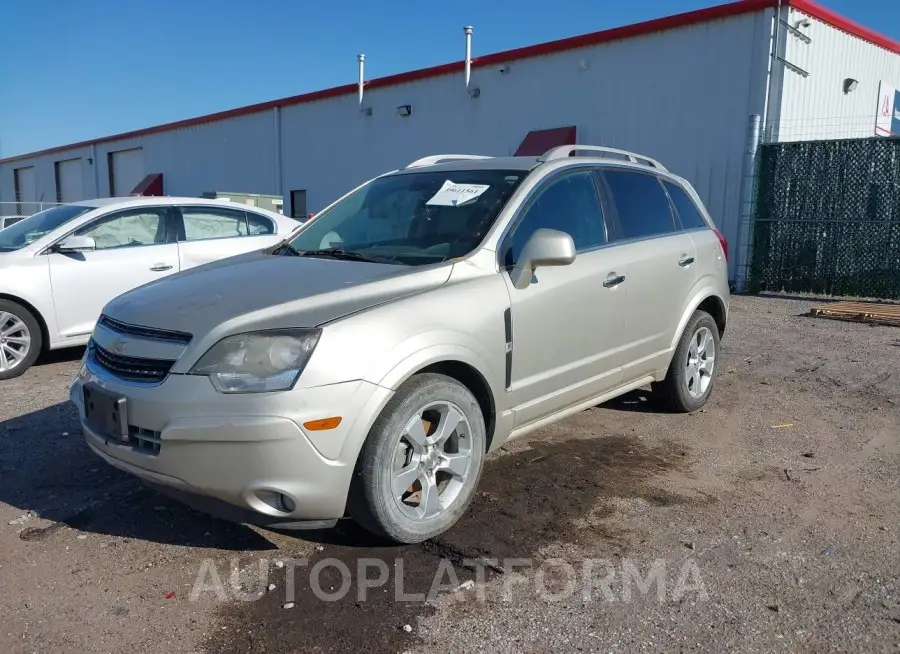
<point x="285" y="246"/>
<point x="338" y="253"/>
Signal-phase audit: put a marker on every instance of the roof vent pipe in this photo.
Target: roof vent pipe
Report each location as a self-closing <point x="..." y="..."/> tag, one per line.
<point x="468" y="30"/>
<point x="360" y="82"/>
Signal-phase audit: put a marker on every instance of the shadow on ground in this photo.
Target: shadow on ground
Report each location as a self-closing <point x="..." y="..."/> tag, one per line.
<point x="639" y="400"/>
<point x="65" y="355"/>
<point x="557" y="492"/>
<point x="46" y="468"/>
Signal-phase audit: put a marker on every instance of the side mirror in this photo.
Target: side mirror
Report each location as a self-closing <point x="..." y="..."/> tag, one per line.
<point x="75" y="243"/>
<point x="546" y="247"/>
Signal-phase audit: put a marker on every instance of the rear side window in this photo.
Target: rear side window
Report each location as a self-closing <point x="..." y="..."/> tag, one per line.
<point x="257" y="224"/>
<point x="212" y="222"/>
<point x="690" y="216"/>
<point x="642" y="204"/>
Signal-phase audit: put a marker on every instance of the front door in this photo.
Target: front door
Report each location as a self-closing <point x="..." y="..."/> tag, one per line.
<point x="567" y="326"/>
<point x="133" y="247"/>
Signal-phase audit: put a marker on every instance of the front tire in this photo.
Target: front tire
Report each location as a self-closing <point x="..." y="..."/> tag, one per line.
<point x="691" y="376"/>
<point x="20" y="339"/>
<point x="423" y="458"/>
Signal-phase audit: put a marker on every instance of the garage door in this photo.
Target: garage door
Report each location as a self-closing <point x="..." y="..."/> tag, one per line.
<point x="26" y="191"/>
<point x="126" y="170"/>
<point x="69" y="180"/>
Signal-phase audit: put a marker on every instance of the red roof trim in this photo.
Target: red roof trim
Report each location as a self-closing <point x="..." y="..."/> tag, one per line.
<point x="605" y="36"/>
<point x="836" y="20"/>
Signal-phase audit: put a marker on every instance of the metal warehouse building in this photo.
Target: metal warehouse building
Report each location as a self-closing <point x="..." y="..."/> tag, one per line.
<point x="696" y="91"/>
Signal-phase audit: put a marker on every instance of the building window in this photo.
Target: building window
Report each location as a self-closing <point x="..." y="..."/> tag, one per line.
<point x="298" y="204"/>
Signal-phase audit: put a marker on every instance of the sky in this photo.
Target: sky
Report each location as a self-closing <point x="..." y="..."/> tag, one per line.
<point x="72" y="70"/>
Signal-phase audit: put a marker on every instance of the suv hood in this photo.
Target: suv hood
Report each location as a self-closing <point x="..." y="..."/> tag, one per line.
<point x="263" y="291"/>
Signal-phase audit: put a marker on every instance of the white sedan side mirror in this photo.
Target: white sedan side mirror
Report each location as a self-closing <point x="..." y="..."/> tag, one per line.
<point x="75" y="243"/>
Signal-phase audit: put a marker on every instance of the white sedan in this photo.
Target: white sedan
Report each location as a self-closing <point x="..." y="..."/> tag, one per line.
<point x="59" y="267"/>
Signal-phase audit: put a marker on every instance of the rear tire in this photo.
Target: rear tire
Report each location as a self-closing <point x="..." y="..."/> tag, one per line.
<point x="418" y="469"/>
<point x="21" y="339"/>
<point x="692" y="372"/>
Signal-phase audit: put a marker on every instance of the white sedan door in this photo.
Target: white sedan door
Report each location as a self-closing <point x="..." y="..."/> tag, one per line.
<point x="211" y="233"/>
<point x="133" y="247"/>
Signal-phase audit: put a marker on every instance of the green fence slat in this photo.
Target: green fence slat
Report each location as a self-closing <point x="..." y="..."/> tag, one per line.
<point x="827" y="218"/>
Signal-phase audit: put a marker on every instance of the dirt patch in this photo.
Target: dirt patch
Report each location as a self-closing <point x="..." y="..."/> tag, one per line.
<point x="803" y="518"/>
<point x="555" y="492"/>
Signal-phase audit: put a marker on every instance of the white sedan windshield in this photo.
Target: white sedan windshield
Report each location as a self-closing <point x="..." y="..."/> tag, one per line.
<point x="34" y="227"/>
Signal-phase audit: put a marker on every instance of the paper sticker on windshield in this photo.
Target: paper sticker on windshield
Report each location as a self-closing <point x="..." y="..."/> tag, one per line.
<point x="453" y="195"/>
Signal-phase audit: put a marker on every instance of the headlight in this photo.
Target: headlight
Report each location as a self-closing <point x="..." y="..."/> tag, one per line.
<point x="257" y="362"/>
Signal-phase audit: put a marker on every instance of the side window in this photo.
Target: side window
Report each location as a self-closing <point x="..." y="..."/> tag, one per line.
<point x="568" y="204"/>
<point x="143" y="226"/>
<point x="690" y="216"/>
<point x="213" y="222"/>
<point x="641" y="202"/>
<point x="258" y="225"/>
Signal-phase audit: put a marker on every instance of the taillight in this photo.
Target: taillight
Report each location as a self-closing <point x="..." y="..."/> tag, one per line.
<point x="723" y="242"/>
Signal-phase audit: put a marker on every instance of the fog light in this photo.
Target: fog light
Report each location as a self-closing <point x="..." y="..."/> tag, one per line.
<point x="287" y="503"/>
<point x="278" y="501"/>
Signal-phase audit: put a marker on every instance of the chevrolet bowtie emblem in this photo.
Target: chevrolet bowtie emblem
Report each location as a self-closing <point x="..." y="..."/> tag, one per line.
<point x="118" y="345"/>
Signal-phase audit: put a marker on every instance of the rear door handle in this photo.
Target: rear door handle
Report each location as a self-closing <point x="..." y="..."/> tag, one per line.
<point x="687" y="261"/>
<point x="160" y="267"/>
<point x="613" y="281"/>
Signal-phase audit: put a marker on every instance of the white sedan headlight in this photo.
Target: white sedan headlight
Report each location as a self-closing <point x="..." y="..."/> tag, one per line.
<point x="258" y="362"/>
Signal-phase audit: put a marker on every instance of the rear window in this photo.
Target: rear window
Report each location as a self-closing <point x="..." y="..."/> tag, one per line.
<point x="690" y="216"/>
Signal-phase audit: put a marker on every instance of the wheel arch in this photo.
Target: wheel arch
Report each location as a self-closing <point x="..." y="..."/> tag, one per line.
<point x="470" y="377"/>
<point x="706" y="299"/>
<point x="713" y="305"/>
<point x="460" y="363"/>
<point x="42" y="322"/>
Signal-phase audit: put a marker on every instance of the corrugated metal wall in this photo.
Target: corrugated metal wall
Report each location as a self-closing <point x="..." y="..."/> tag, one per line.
<point x="682" y="96"/>
<point x="816" y="107"/>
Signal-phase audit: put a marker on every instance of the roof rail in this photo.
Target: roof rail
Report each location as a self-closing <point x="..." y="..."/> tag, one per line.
<point x="443" y="158"/>
<point x="565" y="151"/>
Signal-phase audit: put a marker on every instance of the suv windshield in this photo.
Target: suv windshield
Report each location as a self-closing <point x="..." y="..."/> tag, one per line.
<point x="34" y="227"/>
<point x="410" y="218"/>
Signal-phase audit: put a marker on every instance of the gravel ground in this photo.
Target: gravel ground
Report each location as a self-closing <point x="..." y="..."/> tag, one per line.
<point x="769" y="521"/>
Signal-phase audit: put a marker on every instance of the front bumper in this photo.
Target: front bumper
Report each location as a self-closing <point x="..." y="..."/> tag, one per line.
<point x="244" y="452"/>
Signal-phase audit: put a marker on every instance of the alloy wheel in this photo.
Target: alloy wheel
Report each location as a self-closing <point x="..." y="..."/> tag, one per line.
<point x="15" y="341"/>
<point x="432" y="461"/>
<point x="700" y="363"/>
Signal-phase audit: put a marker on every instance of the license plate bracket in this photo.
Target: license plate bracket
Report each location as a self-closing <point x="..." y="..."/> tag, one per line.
<point x="106" y="413"/>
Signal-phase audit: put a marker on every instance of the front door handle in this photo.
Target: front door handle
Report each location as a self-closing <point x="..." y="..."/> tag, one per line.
<point x="160" y="267"/>
<point x="687" y="261"/>
<point x="613" y="281"/>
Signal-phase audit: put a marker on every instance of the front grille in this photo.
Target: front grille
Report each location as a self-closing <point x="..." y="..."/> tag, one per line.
<point x="135" y="369"/>
<point x="147" y="333"/>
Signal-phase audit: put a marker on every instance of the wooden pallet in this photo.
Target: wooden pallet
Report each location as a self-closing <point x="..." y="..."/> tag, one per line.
<point x="871" y="312"/>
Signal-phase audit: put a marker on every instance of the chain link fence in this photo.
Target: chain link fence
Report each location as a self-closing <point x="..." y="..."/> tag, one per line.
<point x="13" y="212"/>
<point x="827" y="218"/>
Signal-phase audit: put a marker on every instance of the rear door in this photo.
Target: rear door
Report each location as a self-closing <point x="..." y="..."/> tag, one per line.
<point x="134" y="247"/>
<point x="210" y="233"/>
<point x="661" y="266"/>
<point x="710" y="257"/>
